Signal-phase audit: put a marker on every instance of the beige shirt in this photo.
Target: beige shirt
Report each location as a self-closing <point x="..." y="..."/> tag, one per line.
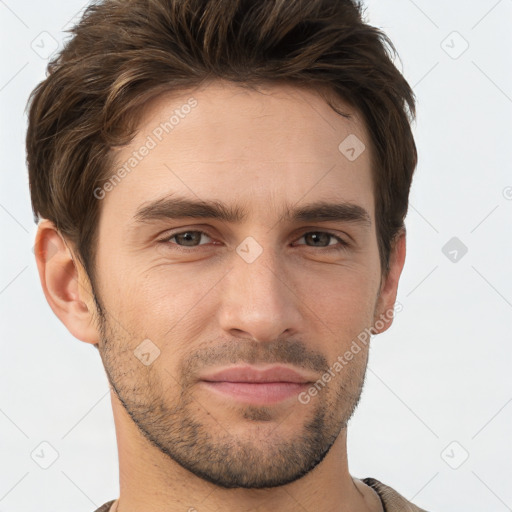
<point x="391" y="500"/>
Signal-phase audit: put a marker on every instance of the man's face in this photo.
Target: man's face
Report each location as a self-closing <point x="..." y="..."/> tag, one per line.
<point x="270" y="289"/>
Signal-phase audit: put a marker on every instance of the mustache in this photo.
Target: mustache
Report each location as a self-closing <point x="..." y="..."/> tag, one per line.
<point x="292" y="352"/>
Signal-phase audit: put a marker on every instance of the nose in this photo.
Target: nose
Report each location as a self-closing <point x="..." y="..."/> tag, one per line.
<point x="258" y="300"/>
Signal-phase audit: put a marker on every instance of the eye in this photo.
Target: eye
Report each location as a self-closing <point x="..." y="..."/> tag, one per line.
<point x="186" y="238"/>
<point x="323" y="239"/>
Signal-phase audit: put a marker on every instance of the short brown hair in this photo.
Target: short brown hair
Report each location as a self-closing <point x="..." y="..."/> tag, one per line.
<point x="123" y="53"/>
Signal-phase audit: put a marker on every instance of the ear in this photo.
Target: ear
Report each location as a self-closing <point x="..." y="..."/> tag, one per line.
<point x="65" y="283"/>
<point x="385" y="307"/>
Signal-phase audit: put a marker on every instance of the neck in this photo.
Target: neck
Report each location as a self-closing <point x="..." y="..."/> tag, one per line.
<point x="152" y="482"/>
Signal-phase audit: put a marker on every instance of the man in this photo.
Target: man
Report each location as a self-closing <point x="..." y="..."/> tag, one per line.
<point x="221" y="188"/>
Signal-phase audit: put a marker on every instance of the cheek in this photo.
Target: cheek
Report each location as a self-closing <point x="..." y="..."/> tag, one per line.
<point x="343" y="301"/>
<point x="164" y="301"/>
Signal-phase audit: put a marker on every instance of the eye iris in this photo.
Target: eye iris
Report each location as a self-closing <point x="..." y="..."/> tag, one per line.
<point x="189" y="237"/>
<point x="318" y="237"/>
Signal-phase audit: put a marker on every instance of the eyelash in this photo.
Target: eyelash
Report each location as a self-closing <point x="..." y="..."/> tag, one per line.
<point x="341" y="247"/>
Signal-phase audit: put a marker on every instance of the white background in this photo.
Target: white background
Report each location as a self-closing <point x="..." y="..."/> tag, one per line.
<point x="439" y="383"/>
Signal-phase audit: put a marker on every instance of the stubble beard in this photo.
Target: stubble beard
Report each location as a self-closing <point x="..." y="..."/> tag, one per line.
<point x="202" y="445"/>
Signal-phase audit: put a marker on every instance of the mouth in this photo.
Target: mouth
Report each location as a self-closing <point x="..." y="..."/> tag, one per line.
<point x="252" y="385"/>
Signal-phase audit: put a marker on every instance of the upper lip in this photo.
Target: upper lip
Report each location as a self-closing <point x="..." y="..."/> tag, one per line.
<point x="254" y="374"/>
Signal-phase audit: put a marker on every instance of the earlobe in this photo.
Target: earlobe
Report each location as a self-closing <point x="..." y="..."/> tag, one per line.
<point x="65" y="283"/>
<point x="384" y="311"/>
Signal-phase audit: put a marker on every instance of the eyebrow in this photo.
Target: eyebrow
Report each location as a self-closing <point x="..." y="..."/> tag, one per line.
<point x="173" y="207"/>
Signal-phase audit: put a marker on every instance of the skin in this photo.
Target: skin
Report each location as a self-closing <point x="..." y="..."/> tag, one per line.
<point x="300" y="303"/>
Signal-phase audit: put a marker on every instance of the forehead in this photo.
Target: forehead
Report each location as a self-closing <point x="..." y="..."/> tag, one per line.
<point x="280" y="144"/>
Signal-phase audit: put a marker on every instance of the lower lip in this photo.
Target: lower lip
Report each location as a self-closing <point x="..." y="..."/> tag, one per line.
<point x="258" y="393"/>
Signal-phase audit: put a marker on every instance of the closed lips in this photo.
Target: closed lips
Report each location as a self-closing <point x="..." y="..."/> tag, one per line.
<point x="248" y="374"/>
